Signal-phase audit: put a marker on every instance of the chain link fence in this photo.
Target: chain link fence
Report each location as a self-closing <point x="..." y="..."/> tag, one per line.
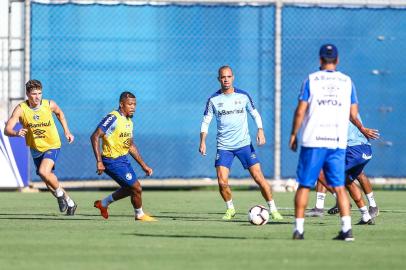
<point x="168" y="55"/>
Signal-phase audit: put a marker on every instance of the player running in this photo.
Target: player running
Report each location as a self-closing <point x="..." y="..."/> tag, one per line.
<point x="230" y="106"/>
<point x="116" y="133"/>
<point x="41" y="135"/>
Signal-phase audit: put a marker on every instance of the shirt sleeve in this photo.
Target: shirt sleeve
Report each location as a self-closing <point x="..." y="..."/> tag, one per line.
<point x="207" y="116"/>
<point x="305" y="91"/>
<point x="354" y="98"/>
<point x="254" y="112"/>
<point x="107" y="122"/>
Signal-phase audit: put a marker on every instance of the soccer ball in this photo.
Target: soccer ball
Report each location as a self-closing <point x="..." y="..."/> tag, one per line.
<point x="258" y="215"/>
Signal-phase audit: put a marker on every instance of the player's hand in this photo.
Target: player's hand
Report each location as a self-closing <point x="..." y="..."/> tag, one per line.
<point x="293" y="143"/>
<point x="260" y="137"/>
<point x="69" y="136"/>
<point x="22" y="132"/>
<point x="202" y="148"/>
<point x="148" y="171"/>
<point x="100" y="168"/>
<point x="370" y="133"/>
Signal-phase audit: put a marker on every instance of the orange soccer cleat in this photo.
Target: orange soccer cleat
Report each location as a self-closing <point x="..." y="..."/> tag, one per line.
<point x="103" y="210"/>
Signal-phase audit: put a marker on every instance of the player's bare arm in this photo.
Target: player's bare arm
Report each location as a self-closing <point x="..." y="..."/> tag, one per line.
<point x="14" y="119"/>
<point x="202" y="147"/>
<point x="261" y="137"/>
<point x="95" y="139"/>
<point x="297" y="122"/>
<point x="136" y="155"/>
<point x="61" y="117"/>
<point x="367" y="132"/>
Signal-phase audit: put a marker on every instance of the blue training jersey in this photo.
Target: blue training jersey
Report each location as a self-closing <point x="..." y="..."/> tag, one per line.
<point x="355" y="137"/>
<point x="230" y="111"/>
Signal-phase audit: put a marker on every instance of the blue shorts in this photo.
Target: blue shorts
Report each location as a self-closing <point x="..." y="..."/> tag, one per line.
<point x="120" y="170"/>
<point x="313" y="159"/>
<point x="356" y="158"/>
<point x="39" y="156"/>
<point x="246" y="155"/>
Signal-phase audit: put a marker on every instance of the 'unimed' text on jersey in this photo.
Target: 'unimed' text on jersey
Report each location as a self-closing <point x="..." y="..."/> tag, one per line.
<point x="118" y="133"/>
<point x="42" y="133"/>
<point x="230" y="111"/>
<point x="330" y="95"/>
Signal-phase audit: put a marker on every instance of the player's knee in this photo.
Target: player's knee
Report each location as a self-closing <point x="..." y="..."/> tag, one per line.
<point x="136" y="188"/>
<point x="223" y="183"/>
<point x="43" y="173"/>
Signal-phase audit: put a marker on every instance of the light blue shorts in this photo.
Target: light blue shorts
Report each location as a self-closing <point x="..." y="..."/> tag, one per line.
<point x="313" y="159"/>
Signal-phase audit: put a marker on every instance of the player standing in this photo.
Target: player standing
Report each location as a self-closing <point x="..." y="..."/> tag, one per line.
<point x="116" y="133"/>
<point x="41" y="135"/>
<point x="230" y="106"/>
<point x="326" y="103"/>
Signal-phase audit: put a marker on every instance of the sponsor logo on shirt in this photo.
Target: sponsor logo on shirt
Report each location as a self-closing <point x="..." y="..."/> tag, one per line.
<point x="38" y="133"/>
<point x="108" y="120"/>
<point x="328" y="102"/>
<point x="318" y="138"/>
<point x="224" y="112"/>
<point x="125" y="134"/>
<point x="220" y="105"/>
<point x="42" y="124"/>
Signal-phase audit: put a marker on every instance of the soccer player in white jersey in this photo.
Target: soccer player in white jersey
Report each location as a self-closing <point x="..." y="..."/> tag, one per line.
<point x="326" y="103"/>
<point x="230" y="105"/>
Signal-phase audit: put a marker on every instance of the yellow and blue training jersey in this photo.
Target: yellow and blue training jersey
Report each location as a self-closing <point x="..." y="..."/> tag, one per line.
<point x="118" y="133"/>
<point x="42" y="133"/>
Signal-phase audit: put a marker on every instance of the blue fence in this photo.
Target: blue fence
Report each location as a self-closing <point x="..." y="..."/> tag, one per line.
<point x="86" y="55"/>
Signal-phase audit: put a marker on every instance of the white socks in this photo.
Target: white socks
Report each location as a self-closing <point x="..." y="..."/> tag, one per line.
<point x="345" y="223"/>
<point x="320" y="200"/>
<point x="108" y="200"/>
<point x="371" y="199"/>
<point x="365" y="214"/>
<point x="138" y="212"/>
<point x="299" y="225"/>
<point x="230" y="204"/>
<point x="59" y="192"/>
<point x="272" y="206"/>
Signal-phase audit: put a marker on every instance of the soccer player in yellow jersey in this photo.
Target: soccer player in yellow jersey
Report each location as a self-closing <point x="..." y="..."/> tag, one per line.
<point x="41" y="135"/>
<point x="116" y="133"/>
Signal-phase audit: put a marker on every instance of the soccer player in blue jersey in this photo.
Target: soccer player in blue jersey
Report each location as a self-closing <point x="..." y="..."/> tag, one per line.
<point x="358" y="154"/>
<point x="230" y="105"/>
<point x="116" y="133"/>
<point x="326" y="103"/>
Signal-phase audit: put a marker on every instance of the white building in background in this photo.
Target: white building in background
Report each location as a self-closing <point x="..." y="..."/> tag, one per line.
<point x="12" y="44"/>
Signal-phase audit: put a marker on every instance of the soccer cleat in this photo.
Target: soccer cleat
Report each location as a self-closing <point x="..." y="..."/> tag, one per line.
<point x="146" y="218"/>
<point x="103" y="210"/>
<point x="345" y="236"/>
<point x="315" y="212"/>
<point x="333" y="210"/>
<point x="276" y="215"/>
<point x="297" y="235"/>
<point x="63" y="205"/>
<point x="370" y="221"/>
<point x="71" y="210"/>
<point x="230" y="213"/>
<point x="373" y="211"/>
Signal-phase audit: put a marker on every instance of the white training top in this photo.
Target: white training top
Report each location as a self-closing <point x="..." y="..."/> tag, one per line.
<point x="330" y="95"/>
<point x="231" y="115"/>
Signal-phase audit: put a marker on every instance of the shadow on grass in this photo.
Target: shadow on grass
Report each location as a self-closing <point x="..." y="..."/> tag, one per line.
<point x="197" y="236"/>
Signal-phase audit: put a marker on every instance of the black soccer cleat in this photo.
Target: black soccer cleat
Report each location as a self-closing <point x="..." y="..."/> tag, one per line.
<point x="297" y="235"/>
<point x="345" y="236"/>
<point x="334" y="210"/>
<point x="63" y="205"/>
<point x="71" y="210"/>
<point x="370" y="221"/>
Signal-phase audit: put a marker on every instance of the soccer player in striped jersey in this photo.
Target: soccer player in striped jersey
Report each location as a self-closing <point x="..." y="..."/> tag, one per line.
<point x="41" y="135"/>
<point x="116" y="133"/>
<point x="230" y="106"/>
<point x="327" y="102"/>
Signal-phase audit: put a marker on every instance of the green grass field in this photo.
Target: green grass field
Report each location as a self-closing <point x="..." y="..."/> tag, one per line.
<point x="191" y="235"/>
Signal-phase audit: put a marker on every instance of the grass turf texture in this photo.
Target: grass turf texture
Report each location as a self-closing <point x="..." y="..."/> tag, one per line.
<point x="191" y="235"/>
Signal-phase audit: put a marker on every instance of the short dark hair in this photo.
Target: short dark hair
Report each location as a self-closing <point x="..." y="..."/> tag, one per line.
<point x="225" y="67"/>
<point x="126" y="95"/>
<point x="325" y="60"/>
<point x="33" y="85"/>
